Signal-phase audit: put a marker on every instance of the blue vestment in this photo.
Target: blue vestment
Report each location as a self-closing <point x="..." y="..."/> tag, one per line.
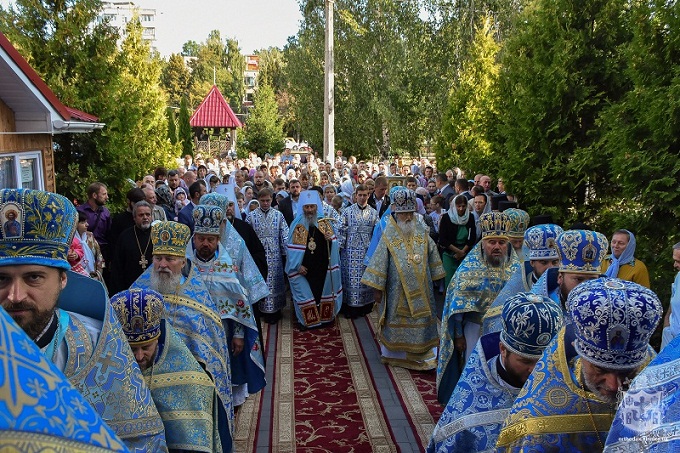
<point x="648" y="419"/>
<point x="404" y="270"/>
<point x="39" y="408"/>
<point x="553" y="412"/>
<point x="307" y="311"/>
<point x="520" y="282"/>
<point x="106" y="373"/>
<point x="272" y="230"/>
<point x="471" y="290"/>
<point x="194" y="316"/>
<point x="220" y="276"/>
<point x="478" y="406"/>
<point x="377" y="234"/>
<point x="354" y="233"/>
<point x="184" y="395"/>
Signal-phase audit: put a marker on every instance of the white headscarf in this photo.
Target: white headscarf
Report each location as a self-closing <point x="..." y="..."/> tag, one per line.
<point x="453" y="213"/>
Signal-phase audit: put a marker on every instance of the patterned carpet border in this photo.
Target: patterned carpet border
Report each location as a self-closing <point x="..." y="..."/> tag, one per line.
<point x="340" y="419"/>
<point x="379" y="431"/>
<point x="245" y="437"/>
<point x="417" y="393"/>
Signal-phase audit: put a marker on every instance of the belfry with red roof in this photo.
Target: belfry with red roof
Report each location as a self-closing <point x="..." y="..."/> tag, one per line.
<point x="213" y="118"/>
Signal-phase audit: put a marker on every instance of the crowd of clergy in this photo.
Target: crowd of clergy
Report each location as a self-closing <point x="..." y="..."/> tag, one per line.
<point x="142" y="331"/>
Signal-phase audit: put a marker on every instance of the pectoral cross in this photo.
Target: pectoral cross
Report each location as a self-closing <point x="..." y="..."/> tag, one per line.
<point x="143" y="262"/>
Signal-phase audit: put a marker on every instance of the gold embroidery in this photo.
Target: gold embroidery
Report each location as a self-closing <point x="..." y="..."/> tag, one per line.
<point x="554" y="424"/>
<point x="300" y="235"/>
<point x="325" y="227"/>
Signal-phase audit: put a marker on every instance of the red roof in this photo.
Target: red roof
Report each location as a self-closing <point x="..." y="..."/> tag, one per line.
<point x="67" y="113"/>
<point x="214" y="111"/>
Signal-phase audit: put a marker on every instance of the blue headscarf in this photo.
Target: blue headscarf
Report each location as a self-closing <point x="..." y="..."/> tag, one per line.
<point x="626" y="257"/>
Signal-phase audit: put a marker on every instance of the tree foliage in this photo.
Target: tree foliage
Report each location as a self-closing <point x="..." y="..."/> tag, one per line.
<point x="216" y="62"/>
<point x="642" y="134"/>
<point x="264" y="131"/>
<point x="469" y="127"/>
<point x="560" y="69"/>
<point x="184" y="133"/>
<point x="79" y="60"/>
<point x="176" y="79"/>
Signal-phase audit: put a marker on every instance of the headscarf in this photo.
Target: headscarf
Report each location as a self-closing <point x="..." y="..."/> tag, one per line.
<point x="453" y="213"/>
<point x="626" y="257"/>
<point x="163" y="195"/>
<point x="420" y="207"/>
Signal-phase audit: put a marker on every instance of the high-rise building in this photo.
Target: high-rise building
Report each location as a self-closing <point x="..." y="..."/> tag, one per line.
<point x="120" y="13"/>
<point x="250" y="79"/>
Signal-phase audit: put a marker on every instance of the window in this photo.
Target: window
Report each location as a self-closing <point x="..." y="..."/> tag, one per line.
<point x="21" y="170"/>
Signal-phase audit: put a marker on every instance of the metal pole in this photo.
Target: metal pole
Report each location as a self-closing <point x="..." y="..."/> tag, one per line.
<point x="329" y="88"/>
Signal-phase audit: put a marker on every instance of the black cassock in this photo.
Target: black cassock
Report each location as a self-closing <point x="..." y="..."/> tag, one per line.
<point x="316" y="261"/>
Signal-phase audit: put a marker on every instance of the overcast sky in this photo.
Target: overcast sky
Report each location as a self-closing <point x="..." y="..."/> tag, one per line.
<point x="255" y="24"/>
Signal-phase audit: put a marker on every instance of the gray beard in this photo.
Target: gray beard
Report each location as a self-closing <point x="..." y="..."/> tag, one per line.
<point x="309" y="221"/>
<point x="407" y="228"/>
<point x="165" y="283"/>
<point x="593" y="388"/>
<point x="492" y="261"/>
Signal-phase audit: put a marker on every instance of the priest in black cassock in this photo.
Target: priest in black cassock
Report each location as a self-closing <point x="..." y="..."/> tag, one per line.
<point x="313" y="264"/>
<point x="134" y="251"/>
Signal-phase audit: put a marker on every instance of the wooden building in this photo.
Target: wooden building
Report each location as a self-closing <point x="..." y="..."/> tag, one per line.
<point x="30" y="114"/>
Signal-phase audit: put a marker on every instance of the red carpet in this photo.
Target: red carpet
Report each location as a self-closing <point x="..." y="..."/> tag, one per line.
<point x="324" y="397"/>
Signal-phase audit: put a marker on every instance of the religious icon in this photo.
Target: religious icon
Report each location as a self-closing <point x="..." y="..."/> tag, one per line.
<point x="11" y="227"/>
<point x="393" y="181"/>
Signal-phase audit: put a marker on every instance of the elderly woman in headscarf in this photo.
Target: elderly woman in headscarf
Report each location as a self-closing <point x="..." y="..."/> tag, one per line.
<point x="622" y="263"/>
<point x="165" y="200"/>
<point x="457" y="235"/>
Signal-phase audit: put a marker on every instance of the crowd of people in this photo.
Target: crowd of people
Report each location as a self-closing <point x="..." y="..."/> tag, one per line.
<point x="154" y="315"/>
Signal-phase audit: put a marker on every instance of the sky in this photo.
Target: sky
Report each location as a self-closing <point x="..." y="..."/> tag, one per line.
<point x="255" y="24"/>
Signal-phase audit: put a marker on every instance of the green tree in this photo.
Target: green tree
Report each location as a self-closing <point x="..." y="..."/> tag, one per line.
<point x="220" y="63"/>
<point x="642" y="134"/>
<point x="184" y="133"/>
<point x="470" y="122"/>
<point x="78" y="62"/>
<point x="176" y="79"/>
<point x="139" y="126"/>
<point x="264" y="131"/>
<point x="236" y="65"/>
<point x="172" y="125"/>
<point x="560" y="69"/>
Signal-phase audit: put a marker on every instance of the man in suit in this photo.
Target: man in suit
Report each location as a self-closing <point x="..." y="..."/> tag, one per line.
<point x="185" y="216"/>
<point x="444" y="189"/>
<point x="378" y="199"/>
<point x="288" y="206"/>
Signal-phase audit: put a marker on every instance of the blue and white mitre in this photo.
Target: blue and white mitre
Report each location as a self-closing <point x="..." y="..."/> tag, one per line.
<point x="519" y="222"/>
<point x="215" y="199"/>
<point x="37" y="227"/>
<point x="614" y="320"/>
<point x="530" y="321"/>
<point x="542" y="241"/>
<point x="208" y="219"/>
<point x="403" y="201"/>
<point x="582" y="251"/>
